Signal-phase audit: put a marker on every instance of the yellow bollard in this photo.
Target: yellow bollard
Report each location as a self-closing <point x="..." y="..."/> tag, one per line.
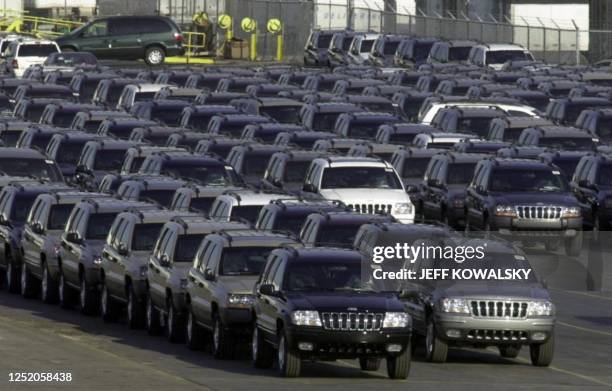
<point x="249" y="25"/>
<point x="279" y="48"/>
<point x="275" y="26"/>
<point x="253" y="48"/>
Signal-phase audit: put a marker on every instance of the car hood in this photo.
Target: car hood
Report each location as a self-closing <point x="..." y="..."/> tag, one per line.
<point x="342" y="301"/>
<point x="534" y="198"/>
<point x="239" y="284"/>
<point x="95" y="246"/>
<point x="366" y="196"/>
<point x="493" y="290"/>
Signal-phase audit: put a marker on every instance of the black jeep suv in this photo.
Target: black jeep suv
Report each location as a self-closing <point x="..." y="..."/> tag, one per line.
<point x="525" y="198"/>
<point x="315" y="304"/>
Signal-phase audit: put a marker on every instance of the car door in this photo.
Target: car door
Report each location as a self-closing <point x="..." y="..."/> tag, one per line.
<point x="32" y="242"/>
<point x="197" y="280"/>
<point x="430" y="189"/>
<point x="157" y="282"/>
<point x="125" y="37"/>
<point x="473" y="201"/>
<point x="266" y="318"/>
<point x="117" y="266"/>
<point x="96" y="39"/>
<point x="211" y="287"/>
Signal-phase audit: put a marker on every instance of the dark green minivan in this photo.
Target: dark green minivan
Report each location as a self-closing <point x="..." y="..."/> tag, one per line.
<point x="151" y="38"/>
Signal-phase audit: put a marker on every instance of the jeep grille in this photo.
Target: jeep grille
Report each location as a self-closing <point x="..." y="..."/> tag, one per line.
<point x="371" y="208"/>
<point x="539" y="212"/>
<point x="499" y="309"/>
<point x="497" y="335"/>
<point x="352" y="321"/>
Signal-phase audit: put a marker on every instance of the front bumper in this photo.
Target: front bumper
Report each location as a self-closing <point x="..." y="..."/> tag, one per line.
<point x="347" y="344"/>
<point x="563" y="227"/>
<point x="493" y="331"/>
<point x="239" y="320"/>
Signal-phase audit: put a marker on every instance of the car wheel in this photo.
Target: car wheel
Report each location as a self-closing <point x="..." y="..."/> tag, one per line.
<point x="288" y="361"/>
<point x="154" y="55"/>
<point x="174" y="325"/>
<point x="65" y="293"/>
<point x="573" y="245"/>
<point x="134" y="310"/>
<point x="194" y="334"/>
<point x="436" y="350"/>
<point x="369" y="364"/>
<point x="48" y="287"/>
<point x="152" y="317"/>
<point x="510" y="351"/>
<point x="262" y="353"/>
<point x="398" y="367"/>
<point x="108" y="306"/>
<point x="542" y="354"/>
<point x="27" y="283"/>
<point x="221" y="339"/>
<point x="87" y="297"/>
<point x="12" y="277"/>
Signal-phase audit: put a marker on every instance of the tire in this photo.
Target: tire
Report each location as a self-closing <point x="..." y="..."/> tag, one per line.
<point x="154" y="55"/>
<point x="135" y="314"/>
<point x="222" y="344"/>
<point x="174" y="324"/>
<point x="108" y="306"/>
<point x="194" y="334"/>
<point x="65" y="293"/>
<point x="573" y="246"/>
<point x="288" y="361"/>
<point x="542" y="354"/>
<point x="510" y="351"/>
<point x="369" y="364"/>
<point x="152" y="317"/>
<point x="436" y="350"/>
<point x="262" y="353"/>
<point x="398" y="367"/>
<point x="27" y="283"/>
<point x="87" y="298"/>
<point x="12" y="278"/>
<point x="48" y="287"/>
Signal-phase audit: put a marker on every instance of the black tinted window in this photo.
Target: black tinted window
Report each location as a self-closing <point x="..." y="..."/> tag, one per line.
<point x="109" y="159"/>
<point x="58" y="216"/>
<point x="523" y="180"/>
<point x="460" y="173"/>
<point x="36" y="50"/>
<point x="244" y="261"/>
<point x="21" y="207"/>
<point x="186" y="247"/>
<point x="98" y="225"/>
<point x="145" y="236"/>
<point x="415" y="168"/>
<point x="359" y="177"/>
<point x="30" y="167"/>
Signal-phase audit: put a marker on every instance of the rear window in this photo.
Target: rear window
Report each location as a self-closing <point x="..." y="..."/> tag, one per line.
<point x="42" y="50"/>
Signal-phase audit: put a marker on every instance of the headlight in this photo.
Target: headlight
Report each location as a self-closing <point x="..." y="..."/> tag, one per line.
<point x="97" y="260"/>
<point x="540" y="308"/>
<point x="454" y="306"/>
<point x="394" y="320"/>
<point x="143" y="271"/>
<point x="240" y="300"/>
<point x="183" y="283"/>
<point x="572" y="212"/>
<point x="306" y="318"/>
<point x="505" y="211"/>
<point x="402" y="208"/>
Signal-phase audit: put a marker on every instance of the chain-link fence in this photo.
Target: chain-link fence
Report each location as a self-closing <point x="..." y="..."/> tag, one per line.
<point x="549" y="41"/>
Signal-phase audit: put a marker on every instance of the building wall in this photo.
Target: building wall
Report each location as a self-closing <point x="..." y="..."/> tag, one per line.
<point x="127" y="7"/>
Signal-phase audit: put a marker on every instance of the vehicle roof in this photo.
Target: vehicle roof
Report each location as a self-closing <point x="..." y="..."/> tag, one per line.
<point x="20" y="153"/>
<point x="253" y="237"/>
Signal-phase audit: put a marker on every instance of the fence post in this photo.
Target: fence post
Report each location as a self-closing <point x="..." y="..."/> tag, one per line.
<point x="543" y="38"/>
<point x="577" y="42"/>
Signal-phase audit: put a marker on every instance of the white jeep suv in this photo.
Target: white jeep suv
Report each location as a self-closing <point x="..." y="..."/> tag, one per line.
<point x="495" y="55"/>
<point x="23" y="53"/>
<point x="366" y="185"/>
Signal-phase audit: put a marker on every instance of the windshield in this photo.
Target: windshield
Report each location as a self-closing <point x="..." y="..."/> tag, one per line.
<point x="248" y="212"/>
<point x="331" y="275"/>
<point x="604" y="128"/>
<point x="477" y="126"/>
<point x="366" y="45"/>
<point x="337" y="235"/>
<point x="324" y="41"/>
<point x="202" y="204"/>
<point x="460" y="173"/>
<point x="285" y="115"/>
<point x="10" y="138"/>
<point x="567" y="165"/>
<point x="109" y="159"/>
<point x="186" y="247"/>
<point x="38" y="168"/>
<point x="391" y="47"/>
<point x="169" y="117"/>
<point x="63" y="119"/>
<point x="512" y="134"/>
<point x="415" y="167"/>
<point x="98" y="225"/>
<point x="420" y="51"/>
<point x="291" y="223"/>
<point x="145" y="236"/>
<point x="295" y="172"/>
<point x="58" y="216"/>
<point x="206" y="175"/>
<point x="255" y="164"/>
<point x="568" y="143"/>
<point x="359" y="178"/>
<point x="21" y="207"/>
<point x="162" y="197"/>
<point x="501" y="56"/>
<point x="244" y="261"/>
<point x="460" y="53"/>
<point x="522" y="180"/>
<point x="36" y="50"/>
<point x="144" y="96"/>
<point x="324" y="122"/>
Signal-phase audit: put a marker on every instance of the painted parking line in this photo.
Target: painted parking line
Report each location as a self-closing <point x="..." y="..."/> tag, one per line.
<point x="582" y="294"/>
<point x="586" y="329"/>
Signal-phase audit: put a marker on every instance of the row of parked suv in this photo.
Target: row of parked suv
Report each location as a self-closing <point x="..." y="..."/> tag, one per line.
<point x="239" y="206"/>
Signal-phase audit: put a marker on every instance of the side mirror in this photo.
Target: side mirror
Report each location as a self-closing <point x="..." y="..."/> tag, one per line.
<point x="164" y="261"/>
<point x="310" y="188"/>
<point x="481" y="190"/>
<point x="405" y="294"/>
<point x="267" y="289"/>
<point x="3" y="220"/>
<point x="277" y="182"/>
<point x="122" y="250"/>
<point x="37" y="228"/>
<point x="411" y="189"/>
<point x="209" y="275"/>
<point x="74" y="237"/>
<point x="433" y="182"/>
